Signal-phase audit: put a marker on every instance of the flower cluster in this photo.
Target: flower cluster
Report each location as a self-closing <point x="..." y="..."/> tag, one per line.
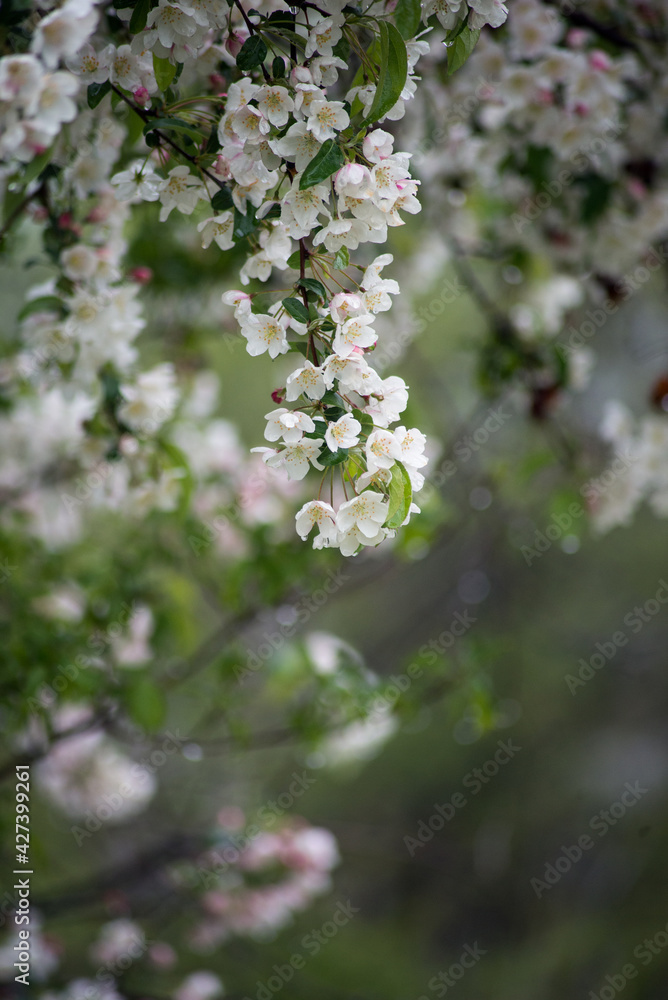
<point x="36" y="97"/>
<point x="285" y="869"/>
<point x="547" y="146"/>
<point x="290" y="168"/>
<point x="637" y="470"/>
<point x="286" y="158"/>
<point x="86" y="772"/>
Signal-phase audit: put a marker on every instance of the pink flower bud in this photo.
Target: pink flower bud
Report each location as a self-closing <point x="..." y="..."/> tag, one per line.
<point x="600" y="60"/>
<point x="162" y="955"/>
<point x="217" y="82"/>
<point x="576" y="38"/>
<point x="65" y="220"/>
<point x="98" y="214"/>
<point x="636" y="189"/>
<point x="581" y="109"/>
<point x="234" y="43"/>
<point x="216" y="903"/>
<point x="142" y="275"/>
<point x="231" y="818"/>
<point x="277" y="396"/>
<point x="352" y="173"/>
<point x="141" y="95"/>
<point x="300" y="74"/>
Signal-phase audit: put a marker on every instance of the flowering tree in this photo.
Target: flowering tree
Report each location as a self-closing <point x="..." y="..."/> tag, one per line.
<point x="134" y="519"/>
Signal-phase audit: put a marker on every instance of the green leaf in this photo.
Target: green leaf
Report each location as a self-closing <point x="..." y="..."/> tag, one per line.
<point x="45" y="303"/>
<point x="294" y="260"/>
<point x="539" y="160"/>
<point x="222" y="200"/>
<point x="296" y="309"/>
<point x="342" y="49"/>
<point x="139" y="16"/>
<point x="314" y="287"/>
<point x="407" y="17"/>
<point x="173" y="125"/>
<point x="253" y="53"/>
<point x="326" y="161"/>
<point x="393" y="72"/>
<point x="401" y="494"/>
<point x="457" y="30"/>
<point x="146" y="704"/>
<point x="597" y="194"/>
<point x="187" y="482"/>
<point x="334" y="412"/>
<point x="461" y="49"/>
<point x="365" y="420"/>
<point x="329" y="458"/>
<point x="96" y="91"/>
<point x="164" y="70"/>
<point x="36" y="166"/>
<point x="243" y="224"/>
<point x="278" y="68"/>
<point x="212" y="143"/>
<point x="341" y="258"/>
<point x="331" y="398"/>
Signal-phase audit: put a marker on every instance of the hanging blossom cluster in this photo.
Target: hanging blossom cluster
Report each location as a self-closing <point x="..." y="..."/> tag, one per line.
<point x="292" y="161"/>
<point x="36" y="95"/>
<point x="637" y="469"/>
<point x="286" y="172"/>
<point x="257" y="880"/>
<point x="558" y="126"/>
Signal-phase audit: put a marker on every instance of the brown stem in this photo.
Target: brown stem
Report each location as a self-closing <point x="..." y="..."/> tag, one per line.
<point x="251" y="30"/>
<point x="302" y="274"/>
<point x="13" y="216"/>
<point x="145" y="116"/>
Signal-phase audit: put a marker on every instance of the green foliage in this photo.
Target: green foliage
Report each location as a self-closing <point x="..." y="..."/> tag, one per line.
<point x="165" y="71"/>
<point x="407" y="16"/>
<point x="253" y="53"/>
<point x="96" y="92"/>
<point x="222" y="200"/>
<point x="364" y="419"/>
<point x="297" y="309"/>
<point x="329" y="458"/>
<point x="401" y="494"/>
<point x="341" y="258"/>
<point x="140" y="15"/>
<point x="314" y="288"/>
<point x="145" y="703"/>
<point x="244" y="225"/>
<point x="461" y="48"/>
<point x="392" y="74"/>
<point x="326" y="161"/>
